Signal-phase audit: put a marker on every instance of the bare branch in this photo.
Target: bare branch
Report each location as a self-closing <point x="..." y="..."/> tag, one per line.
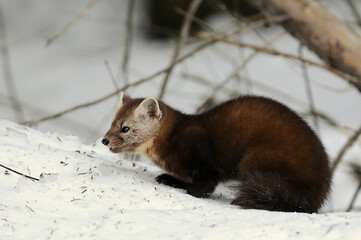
<point x="83" y="12"/>
<point x="255" y="53"/>
<point x="186" y="56"/>
<point x="344" y="149"/>
<point x="195" y="19"/>
<point x="114" y="81"/>
<point x="322" y="32"/>
<point x="356" y="170"/>
<point x="204" y="82"/>
<point x="328" y="120"/>
<point x="104" y="98"/>
<point x="8" y="76"/>
<point x="21" y="174"/>
<point x="350" y="207"/>
<point x="128" y="40"/>
<point x="355" y="11"/>
<point x="307" y="81"/>
<point x="218" y="87"/>
<point x="349" y="78"/>
<point x="193" y="7"/>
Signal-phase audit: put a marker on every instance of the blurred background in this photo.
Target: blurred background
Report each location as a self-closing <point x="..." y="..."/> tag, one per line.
<point x="61" y="59"/>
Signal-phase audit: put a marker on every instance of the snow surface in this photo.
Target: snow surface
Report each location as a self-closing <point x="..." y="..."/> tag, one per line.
<point x="86" y="192"/>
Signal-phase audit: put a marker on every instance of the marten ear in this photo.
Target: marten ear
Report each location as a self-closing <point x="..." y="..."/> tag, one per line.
<point x="122" y="99"/>
<point x="149" y="107"/>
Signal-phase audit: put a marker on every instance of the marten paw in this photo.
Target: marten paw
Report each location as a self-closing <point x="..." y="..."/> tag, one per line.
<point x="169" y="180"/>
<point x="202" y="189"/>
<point x="197" y="193"/>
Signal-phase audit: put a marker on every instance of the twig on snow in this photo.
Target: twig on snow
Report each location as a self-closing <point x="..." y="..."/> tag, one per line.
<point x="21" y="174"/>
<point x="193" y="7"/>
<point x="30" y="208"/>
<point x="83" y="12"/>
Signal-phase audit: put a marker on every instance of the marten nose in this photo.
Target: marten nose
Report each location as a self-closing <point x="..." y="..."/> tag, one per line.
<point x="105" y="141"/>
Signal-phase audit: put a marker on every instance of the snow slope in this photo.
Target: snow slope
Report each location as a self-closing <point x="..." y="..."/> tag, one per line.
<point x="85" y="192"/>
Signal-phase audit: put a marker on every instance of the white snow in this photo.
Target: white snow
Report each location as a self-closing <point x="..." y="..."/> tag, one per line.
<point x="86" y="192"/>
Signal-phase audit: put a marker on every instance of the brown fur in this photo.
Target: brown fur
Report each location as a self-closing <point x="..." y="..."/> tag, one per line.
<point x="278" y="159"/>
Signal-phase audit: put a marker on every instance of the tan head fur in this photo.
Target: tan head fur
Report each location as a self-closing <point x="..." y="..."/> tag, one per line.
<point x="136" y="123"/>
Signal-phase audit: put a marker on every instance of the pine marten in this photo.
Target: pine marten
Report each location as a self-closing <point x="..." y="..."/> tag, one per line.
<point x="279" y="161"/>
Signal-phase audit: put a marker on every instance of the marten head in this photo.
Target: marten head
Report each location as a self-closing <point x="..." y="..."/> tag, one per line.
<point x="136" y="123"/>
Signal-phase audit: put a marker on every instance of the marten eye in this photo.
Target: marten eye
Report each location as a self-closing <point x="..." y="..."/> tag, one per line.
<point x="125" y="129"/>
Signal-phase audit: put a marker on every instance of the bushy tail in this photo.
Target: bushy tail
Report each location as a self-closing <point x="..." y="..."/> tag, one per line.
<point x="268" y="190"/>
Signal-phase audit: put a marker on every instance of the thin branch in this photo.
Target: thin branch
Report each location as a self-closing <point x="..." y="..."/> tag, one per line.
<point x="307" y="81"/>
<point x="349" y="78"/>
<point x="232" y="14"/>
<point x="356" y="170"/>
<point x="186" y="56"/>
<point x="8" y="76"/>
<point x="218" y="87"/>
<point x="111" y="75"/>
<point x="104" y="98"/>
<point x="128" y="40"/>
<point x="195" y="19"/>
<point x="204" y="82"/>
<point x="344" y="149"/>
<point x="256" y="84"/>
<point x="355" y="11"/>
<point x="21" y="174"/>
<point x="235" y="73"/>
<point x="193" y="7"/>
<point x="88" y="104"/>
<point x="354" y="197"/>
<point x="83" y="12"/>
<point x="332" y="89"/>
<point x="255" y="53"/>
<point x="328" y="120"/>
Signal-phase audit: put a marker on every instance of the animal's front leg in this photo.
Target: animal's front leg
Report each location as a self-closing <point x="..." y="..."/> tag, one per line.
<point x="202" y="188"/>
<point x="169" y="180"/>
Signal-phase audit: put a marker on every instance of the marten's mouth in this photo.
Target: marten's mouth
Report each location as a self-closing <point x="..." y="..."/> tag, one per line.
<point x="115" y="149"/>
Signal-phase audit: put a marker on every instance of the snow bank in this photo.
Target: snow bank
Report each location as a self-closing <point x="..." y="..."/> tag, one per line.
<point x="85" y="192"/>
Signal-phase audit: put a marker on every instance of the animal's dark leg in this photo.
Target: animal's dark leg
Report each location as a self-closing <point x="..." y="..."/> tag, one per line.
<point x="169" y="180"/>
<point x="202" y="188"/>
<point x="204" y="182"/>
<point x="198" y="188"/>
